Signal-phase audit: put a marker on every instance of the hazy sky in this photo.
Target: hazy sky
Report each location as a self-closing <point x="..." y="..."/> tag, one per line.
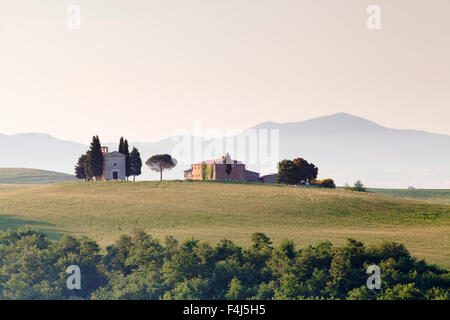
<point x="143" y="68"/>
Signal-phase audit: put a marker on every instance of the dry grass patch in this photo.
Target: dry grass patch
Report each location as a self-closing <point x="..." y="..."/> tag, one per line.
<point x="213" y="211"/>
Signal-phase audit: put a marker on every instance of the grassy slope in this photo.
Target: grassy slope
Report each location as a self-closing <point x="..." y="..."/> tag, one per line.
<point x="32" y="176"/>
<point x="15" y="187"/>
<point x="213" y="211"/>
<point x="427" y="195"/>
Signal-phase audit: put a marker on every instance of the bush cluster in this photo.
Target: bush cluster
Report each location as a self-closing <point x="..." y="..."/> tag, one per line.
<point x="325" y="183"/>
<point x="138" y="266"/>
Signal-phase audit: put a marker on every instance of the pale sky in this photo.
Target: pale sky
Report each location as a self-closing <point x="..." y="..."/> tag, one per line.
<point x="144" y="68"/>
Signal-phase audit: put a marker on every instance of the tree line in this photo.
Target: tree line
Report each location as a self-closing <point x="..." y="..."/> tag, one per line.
<point x="138" y="266"/>
<point x="293" y="172"/>
<point x="90" y="165"/>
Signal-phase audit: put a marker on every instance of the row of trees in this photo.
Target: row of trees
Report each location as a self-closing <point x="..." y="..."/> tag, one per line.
<point x="90" y="164"/>
<point x="133" y="162"/>
<point x="137" y="266"/>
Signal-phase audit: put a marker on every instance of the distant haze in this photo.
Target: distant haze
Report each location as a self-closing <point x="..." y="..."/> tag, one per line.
<point x="344" y="147"/>
<point x="144" y="68"/>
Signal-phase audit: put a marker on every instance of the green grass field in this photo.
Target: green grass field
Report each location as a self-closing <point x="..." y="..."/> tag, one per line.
<point x="426" y="195"/>
<point x="20" y="176"/>
<point x="213" y="211"/>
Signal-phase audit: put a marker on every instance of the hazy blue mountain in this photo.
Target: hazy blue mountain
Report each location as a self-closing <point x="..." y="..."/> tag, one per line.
<point x="348" y="148"/>
<point x="344" y="147"/>
<point x="39" y="151"/>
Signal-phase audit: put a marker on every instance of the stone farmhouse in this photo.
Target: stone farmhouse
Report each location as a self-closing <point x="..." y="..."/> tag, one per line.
<point x="216" y="171"/>
<point x="113" y="165"/>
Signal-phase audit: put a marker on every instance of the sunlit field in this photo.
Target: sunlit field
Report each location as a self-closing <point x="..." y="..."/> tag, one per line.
<point x="426" y="195"/>
<point x="213" y="211"/>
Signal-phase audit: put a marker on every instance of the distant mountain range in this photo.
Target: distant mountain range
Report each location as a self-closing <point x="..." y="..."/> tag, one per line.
<point x="344" y="147"/>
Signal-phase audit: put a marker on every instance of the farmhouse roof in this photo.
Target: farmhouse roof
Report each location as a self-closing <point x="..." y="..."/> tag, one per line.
<point x="216" y="161"/>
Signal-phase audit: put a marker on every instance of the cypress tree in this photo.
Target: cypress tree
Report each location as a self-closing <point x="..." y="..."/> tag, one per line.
<point x="96" y="158"/>
<point x="135" y="163"/>
<point x="121" y="146"/>
<point x="123" y="149"/>
<point x="80" y="172"/>
<point x="204" y="171"/>
<point x="227" y="165"/>
<point x="127" y="160"/>
<point x="87" y="170"/>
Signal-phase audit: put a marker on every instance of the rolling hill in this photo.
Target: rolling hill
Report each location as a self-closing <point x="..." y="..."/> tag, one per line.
<point x="213" y="211"/>
<point x="344" y="147"/>
<point x="426" y="195"/>
<point x="40" y="151"/>
<point x="20" y="176"/>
